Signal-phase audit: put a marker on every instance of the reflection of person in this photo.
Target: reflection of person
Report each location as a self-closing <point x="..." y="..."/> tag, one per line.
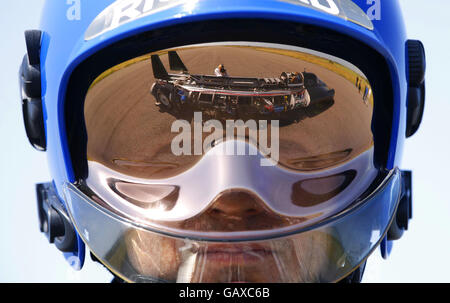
<point x="220" y="71"/>
<point x="228" y="104"/>
<point x="366" y="92"/>
<point x="284" y="77"/>
<point x="231" y="104"/>
<point x="297" y="78"/>
<point x="182" y="96"/>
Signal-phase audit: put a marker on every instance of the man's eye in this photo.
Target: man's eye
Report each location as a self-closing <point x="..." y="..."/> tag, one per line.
<point x="147" y="196"/>
<point x="311" y="192"/>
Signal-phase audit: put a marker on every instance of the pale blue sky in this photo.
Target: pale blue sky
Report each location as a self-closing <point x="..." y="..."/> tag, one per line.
<point x="422" y="255"/>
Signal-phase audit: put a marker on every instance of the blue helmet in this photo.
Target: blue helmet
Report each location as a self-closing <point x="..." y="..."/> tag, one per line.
<point x="124" y="96"/>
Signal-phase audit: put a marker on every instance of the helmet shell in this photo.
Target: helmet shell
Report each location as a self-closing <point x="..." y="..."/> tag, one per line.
<point x="64" y="47"/>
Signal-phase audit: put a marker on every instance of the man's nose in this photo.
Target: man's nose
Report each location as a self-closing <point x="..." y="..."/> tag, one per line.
<point x="237" y="204"/>
<point x="238" y="210"/>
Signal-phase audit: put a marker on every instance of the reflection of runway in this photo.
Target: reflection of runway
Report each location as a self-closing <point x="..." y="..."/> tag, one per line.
<point x="123" y="123"/>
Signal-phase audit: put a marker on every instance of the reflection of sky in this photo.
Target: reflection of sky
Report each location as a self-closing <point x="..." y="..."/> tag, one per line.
<point x="421" y="256"/>
<point x="290" y="48"/>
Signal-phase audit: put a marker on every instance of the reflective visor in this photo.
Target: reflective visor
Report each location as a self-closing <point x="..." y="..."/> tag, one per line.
<point x="326" y="253"/>
<point x="230" y="140"/>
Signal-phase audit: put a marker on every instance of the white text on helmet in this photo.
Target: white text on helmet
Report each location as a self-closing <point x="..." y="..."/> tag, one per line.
<point x="330" y="8"/>
<point x="124" y="11"/>
<point x="132" y="9"/>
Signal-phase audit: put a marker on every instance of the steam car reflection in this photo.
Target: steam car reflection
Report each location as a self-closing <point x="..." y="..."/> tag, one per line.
<point x="236" y="96"/>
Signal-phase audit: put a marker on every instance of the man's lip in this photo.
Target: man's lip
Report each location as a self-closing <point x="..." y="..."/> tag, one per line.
<point x="238" y="255"/>
<point x="236" y="249"/>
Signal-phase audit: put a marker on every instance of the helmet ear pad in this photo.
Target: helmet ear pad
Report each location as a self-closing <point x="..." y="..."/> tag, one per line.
<point x="416" y="85"/>
<point x="30" y="90"/>
<point x="31" y="79"/>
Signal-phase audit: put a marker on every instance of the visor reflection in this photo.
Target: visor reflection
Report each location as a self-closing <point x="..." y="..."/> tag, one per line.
<point x="323" y="106"/>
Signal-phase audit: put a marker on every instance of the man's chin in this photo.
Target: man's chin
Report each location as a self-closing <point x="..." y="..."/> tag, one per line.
<point x="238" y="267"/>
<point x="233" y="256"/>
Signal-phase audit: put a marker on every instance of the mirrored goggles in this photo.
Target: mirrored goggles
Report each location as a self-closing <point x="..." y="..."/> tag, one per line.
<point x="258" y="138"/>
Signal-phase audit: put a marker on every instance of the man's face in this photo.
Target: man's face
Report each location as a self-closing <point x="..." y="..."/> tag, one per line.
<point x="305" y="257"/>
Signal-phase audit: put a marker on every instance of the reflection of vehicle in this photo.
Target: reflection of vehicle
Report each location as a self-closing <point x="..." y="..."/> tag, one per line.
<point x="234" y="95"/>
<point x="317" y="89"/>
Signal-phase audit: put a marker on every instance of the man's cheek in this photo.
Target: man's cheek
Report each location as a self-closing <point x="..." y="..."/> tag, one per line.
<point x="153" y="256"/>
